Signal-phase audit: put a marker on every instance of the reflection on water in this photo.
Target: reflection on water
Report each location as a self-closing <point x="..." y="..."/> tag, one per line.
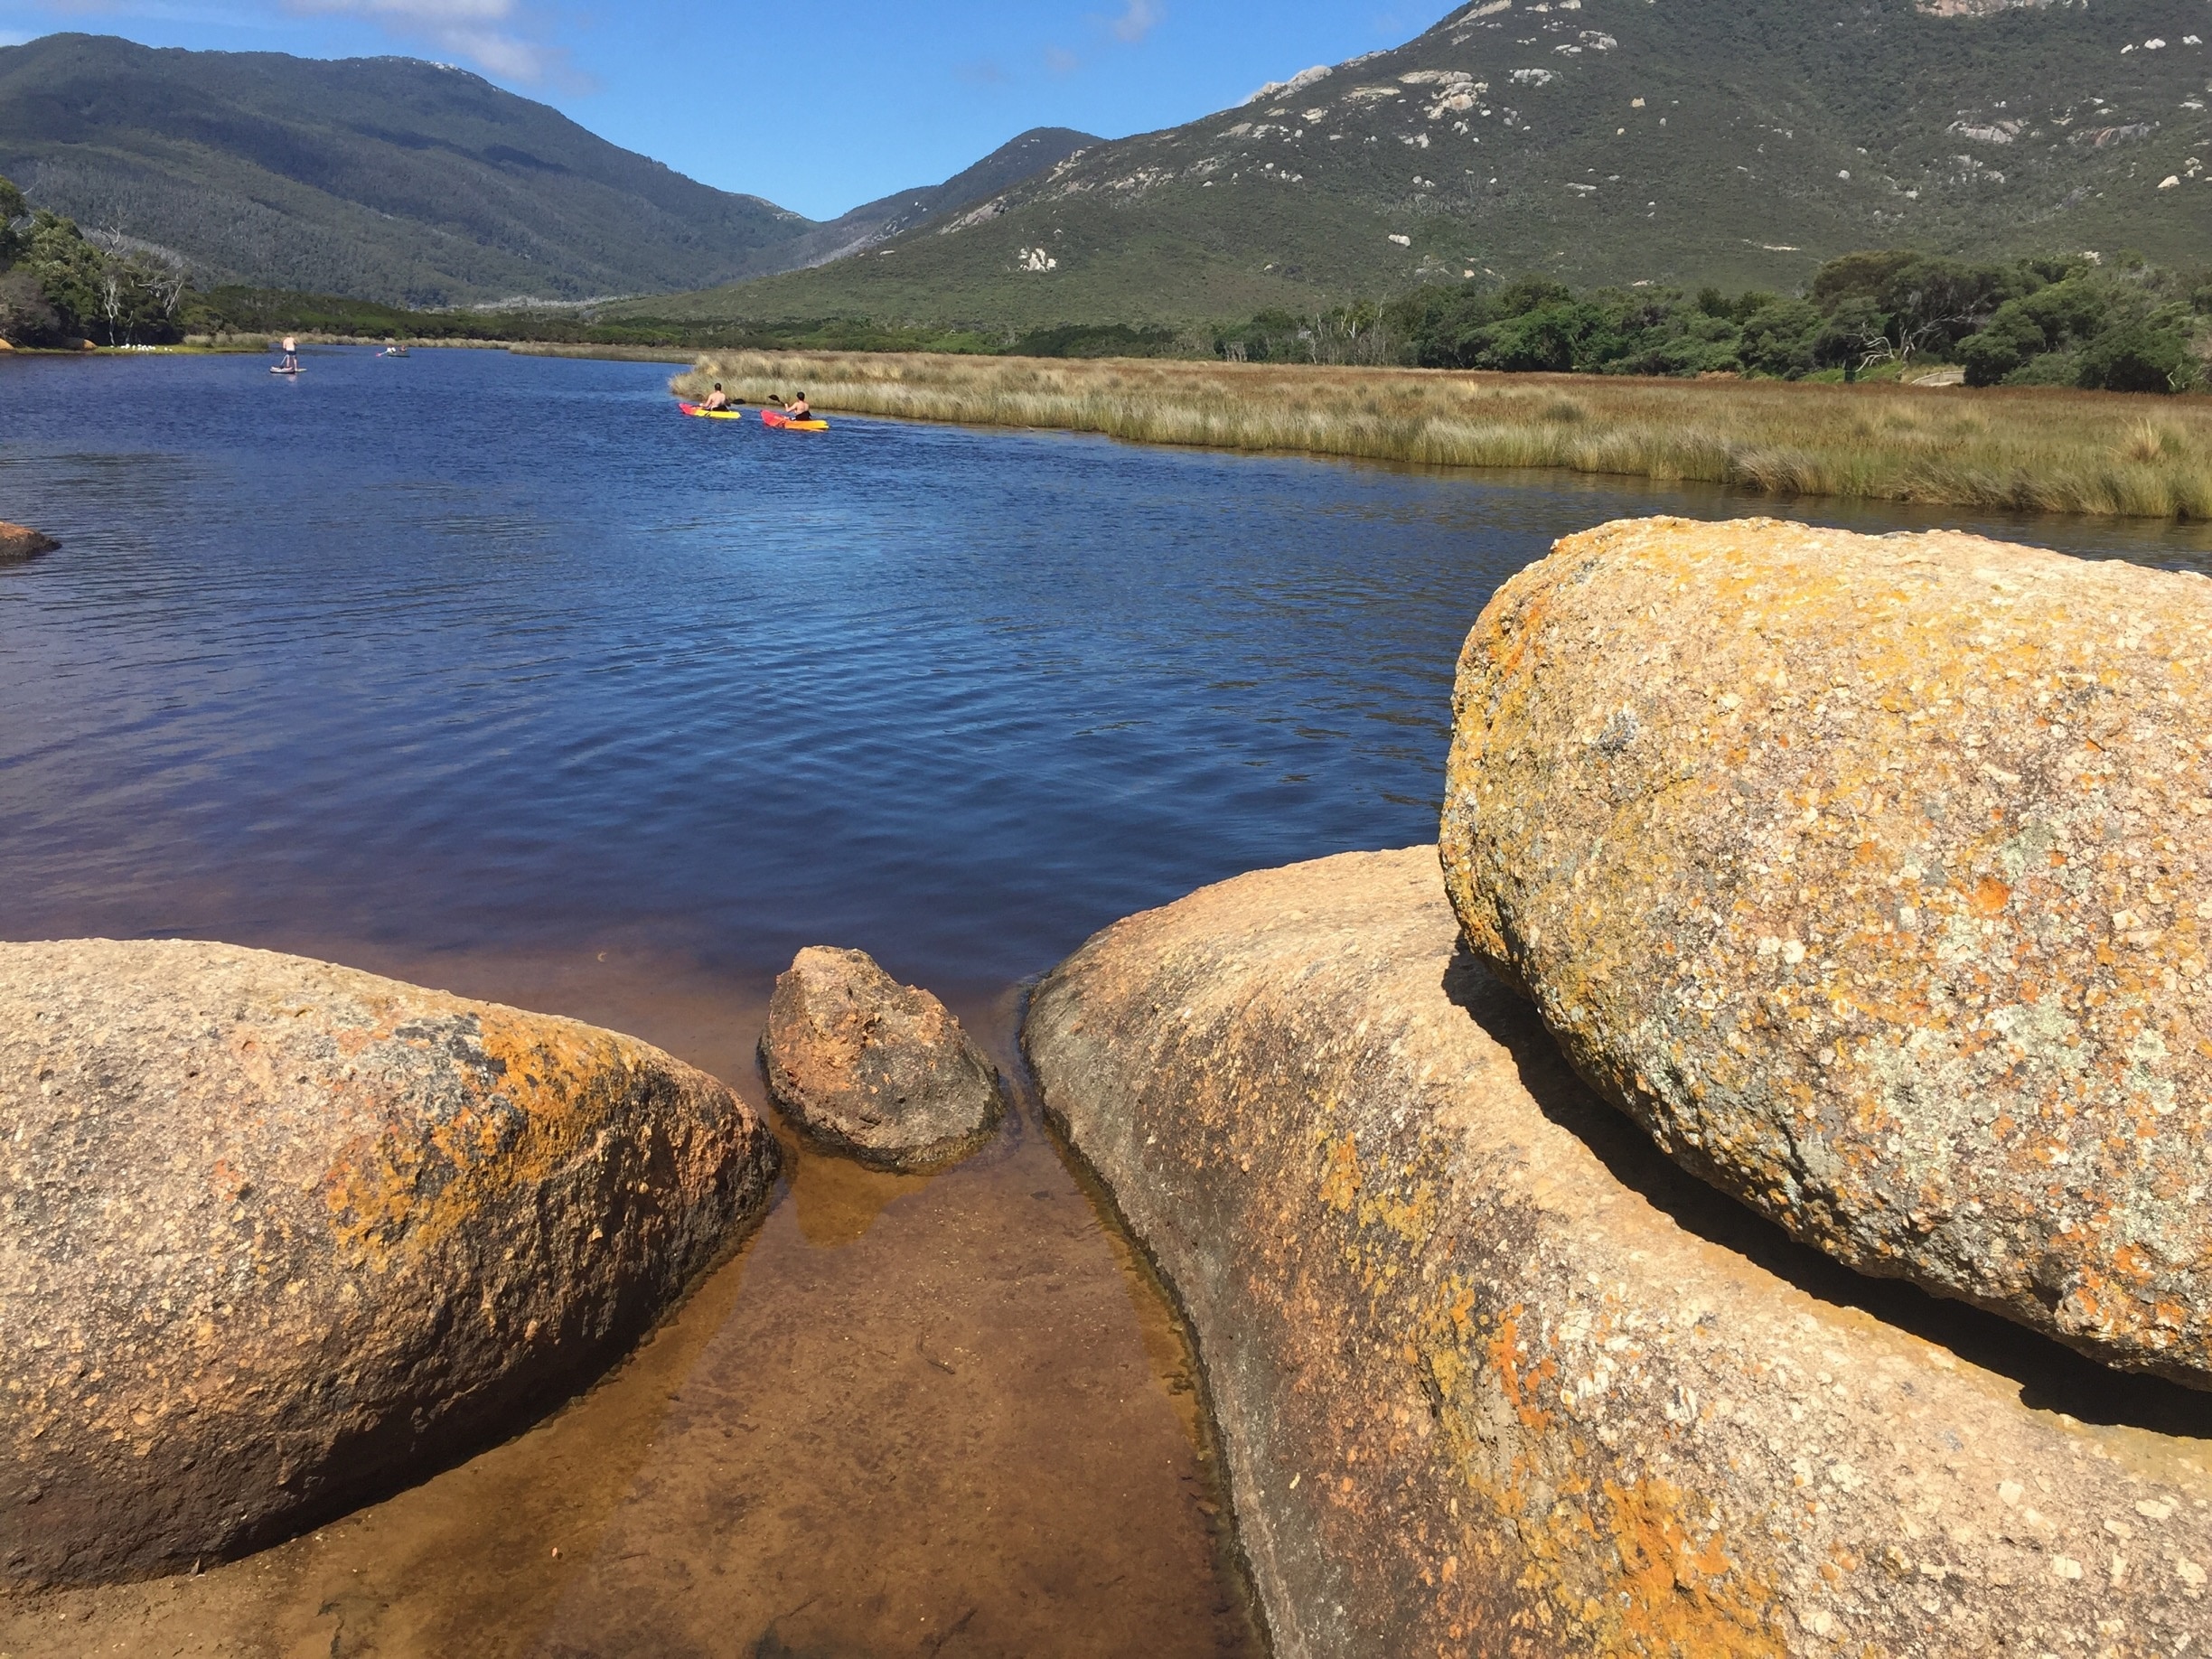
<point x="494" y="674"/>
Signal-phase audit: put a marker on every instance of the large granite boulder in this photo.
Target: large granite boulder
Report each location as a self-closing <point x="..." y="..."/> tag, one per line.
<point x="277" y="1237"/>
<point x="1493" y="1376"/>
<point x="19" y="542"/>
<point x="879" y="1071"/>
<point x="1871" y="877"/>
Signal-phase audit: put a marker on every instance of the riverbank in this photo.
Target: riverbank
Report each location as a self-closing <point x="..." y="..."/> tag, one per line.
<point x="2028" y="449"/>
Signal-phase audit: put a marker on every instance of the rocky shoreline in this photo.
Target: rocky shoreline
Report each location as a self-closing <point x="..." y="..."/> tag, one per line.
<point x="1491" y="1375"/>
<point x="1559" y="1212"/>
<point x="1813" y="911"/>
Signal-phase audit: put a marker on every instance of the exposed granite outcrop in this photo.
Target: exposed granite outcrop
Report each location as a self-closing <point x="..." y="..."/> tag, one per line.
<point x="1871" y="877"/>
<point x="879" y="1071"/>
<point x="277" y="1236"/>
<point x="1494" y="1377"/>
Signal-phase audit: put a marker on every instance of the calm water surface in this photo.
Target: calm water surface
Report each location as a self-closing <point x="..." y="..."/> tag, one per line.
<point x="470" y="649"/>
<point x="494" y="672"/>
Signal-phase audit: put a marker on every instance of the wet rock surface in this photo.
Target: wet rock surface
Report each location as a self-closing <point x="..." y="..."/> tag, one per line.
<point x="277" y="1237"/>
<point x="18" y="543"/>
<point x="1872" y="877"/>
<point x="877" y="1070"/>
<point x="1492" y="1375"/>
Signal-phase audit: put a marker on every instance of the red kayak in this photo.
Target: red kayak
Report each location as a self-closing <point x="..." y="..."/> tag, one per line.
<point x="777" y="417"/>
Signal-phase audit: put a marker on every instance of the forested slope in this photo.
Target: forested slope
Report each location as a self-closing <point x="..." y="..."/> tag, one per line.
<point x="386" y="178"/>
<point x="1740" y="141"/>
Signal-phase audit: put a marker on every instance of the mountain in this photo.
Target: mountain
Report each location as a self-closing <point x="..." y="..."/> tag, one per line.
<point x="878" y="222"/>
<point x="383" y="178"/>
<point x="408" y="183"/>
<point x="1737" y="142"/>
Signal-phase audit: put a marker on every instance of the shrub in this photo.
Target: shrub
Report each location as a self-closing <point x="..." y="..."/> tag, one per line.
<point x="2003" y="348"/>
<point x="1857" y="276"/>
<point x="2051" y="368"/>
<point x="1783" y="339"/>
<point x="25" y="318"/>
<point x="2148" y="356"/>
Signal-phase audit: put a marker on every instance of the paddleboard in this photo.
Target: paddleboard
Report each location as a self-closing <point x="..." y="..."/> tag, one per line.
<point x="705" y="414"/>
<point x="287" y="371"/>
<point x="784" y="423"/>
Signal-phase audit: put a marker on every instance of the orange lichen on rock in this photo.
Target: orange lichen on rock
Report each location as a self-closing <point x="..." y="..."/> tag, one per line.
<point x="280" y="1234"/>
<point x="1871" y="877"/>
<point x="1486" y="1380"/>
<point x="527" y="1094"/>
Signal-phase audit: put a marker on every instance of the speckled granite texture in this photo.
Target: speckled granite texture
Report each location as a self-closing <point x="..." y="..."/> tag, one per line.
<point x="277" y="1237"/>
<point x="1493" y="1376"/>
<point x="1871" y="877"/>
<point x="881" y="1071"/>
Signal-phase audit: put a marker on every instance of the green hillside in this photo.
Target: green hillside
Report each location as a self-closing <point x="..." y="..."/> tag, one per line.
<point x="875" y="223"/>
<point x="385" y="178"/>
<point x="1737" y="142"/>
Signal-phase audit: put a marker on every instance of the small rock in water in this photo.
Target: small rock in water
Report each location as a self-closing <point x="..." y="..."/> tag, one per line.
<point x="277" y="1237"/>
<point x="873" y="1068"/>
<point x="20" y="541"/>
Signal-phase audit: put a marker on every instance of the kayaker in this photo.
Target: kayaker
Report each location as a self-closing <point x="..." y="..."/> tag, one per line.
<point x="717" y="399"/>
<point x="799" y="408"/>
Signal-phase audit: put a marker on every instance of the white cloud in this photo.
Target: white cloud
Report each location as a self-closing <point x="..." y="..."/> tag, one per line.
<point x="505" y="55"/>
<point x="492" y="34"/>
<point x="1137" y="21"/>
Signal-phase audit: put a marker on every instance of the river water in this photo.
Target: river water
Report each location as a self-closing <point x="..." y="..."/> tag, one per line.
<point x="495" y="673"/>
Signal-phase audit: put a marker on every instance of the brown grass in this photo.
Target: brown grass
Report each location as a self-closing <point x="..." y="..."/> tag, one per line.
<point x="2029" y="449"/>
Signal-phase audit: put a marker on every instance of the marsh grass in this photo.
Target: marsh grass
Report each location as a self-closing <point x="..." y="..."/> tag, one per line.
<point x="2028" y="449"/>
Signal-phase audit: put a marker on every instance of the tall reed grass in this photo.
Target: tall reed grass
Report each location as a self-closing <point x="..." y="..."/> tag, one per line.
<point x="2028" y="449"/>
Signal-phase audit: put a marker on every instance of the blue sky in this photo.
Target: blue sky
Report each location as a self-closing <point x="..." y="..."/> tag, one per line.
<point x="817" y="104"/>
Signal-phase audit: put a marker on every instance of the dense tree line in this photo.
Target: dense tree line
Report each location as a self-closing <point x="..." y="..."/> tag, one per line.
<point x="2128" y="326"/>
<point x="58" y="288"/>
<point x="2125" y="326"/>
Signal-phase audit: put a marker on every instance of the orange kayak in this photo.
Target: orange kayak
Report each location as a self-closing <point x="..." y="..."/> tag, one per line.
<point x="776" y="418"/>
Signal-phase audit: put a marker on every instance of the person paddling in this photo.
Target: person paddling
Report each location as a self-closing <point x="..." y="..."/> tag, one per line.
<point x="799" y="408"/>
<point x="291" y="355"/>
<point x="716" y="400"/>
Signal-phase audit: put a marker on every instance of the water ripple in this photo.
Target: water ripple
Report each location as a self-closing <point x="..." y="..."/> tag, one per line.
<point x="472" y="650"/>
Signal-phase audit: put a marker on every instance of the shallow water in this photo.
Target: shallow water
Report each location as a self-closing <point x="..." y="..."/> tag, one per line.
<point x="493" y="673"/>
